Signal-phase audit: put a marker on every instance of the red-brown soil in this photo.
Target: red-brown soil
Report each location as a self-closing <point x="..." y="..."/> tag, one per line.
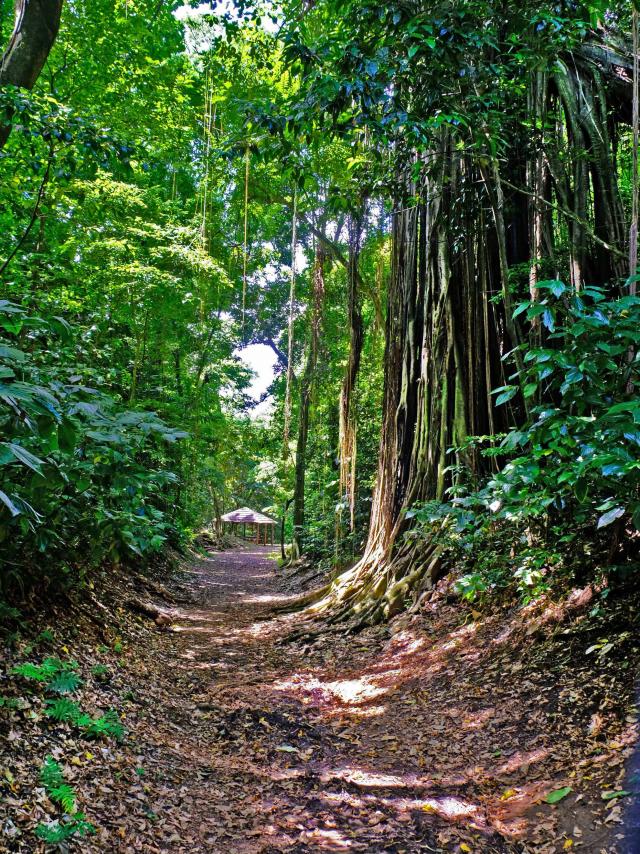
<point x="442" y="732"/>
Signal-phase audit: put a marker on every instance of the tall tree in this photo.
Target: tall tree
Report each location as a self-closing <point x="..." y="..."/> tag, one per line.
<point x="482" y="205"/>
<point x="306" y="391"/>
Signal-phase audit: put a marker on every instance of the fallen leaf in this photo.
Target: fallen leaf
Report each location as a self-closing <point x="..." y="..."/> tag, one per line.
<point x="558" y="794"/>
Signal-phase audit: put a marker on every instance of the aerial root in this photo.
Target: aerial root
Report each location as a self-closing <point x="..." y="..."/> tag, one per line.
<point x="306" y="600"/>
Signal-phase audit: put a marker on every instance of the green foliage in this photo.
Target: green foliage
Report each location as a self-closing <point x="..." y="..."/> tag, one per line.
<point x="12" y="702"/>
<point x="558" y="794"/>
<point x="571" y="471"/>
<point x="73" y="823"/>
<point x="120" y="302"/>
<point x="8" y="613"/>
<point x="77" y="479"/>
<point x="64" y="710"/>
<point x="579" y="454"/>
<point x="59" y="831"/>
<point x="145" y="229"/>
<point x="471" y="586"/>
<point x="59" y="792"/>
<point x="59" y="676"/>
<point x="105" y="726"/>
<point x="100" y="671"/>
<point x="65" y="682"/>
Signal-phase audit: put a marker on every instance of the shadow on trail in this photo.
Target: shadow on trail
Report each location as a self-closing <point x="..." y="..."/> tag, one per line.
<point x="429" y="740"/>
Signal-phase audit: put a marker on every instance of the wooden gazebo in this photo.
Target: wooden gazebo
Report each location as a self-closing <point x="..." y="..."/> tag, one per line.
<point x="261" y="527"/>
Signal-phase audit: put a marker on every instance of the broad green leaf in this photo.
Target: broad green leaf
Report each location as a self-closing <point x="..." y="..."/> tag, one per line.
<point x="25" y="457"/>
<point x="8" y="503"/>
<point x="558" y="794"/>
<point x="506" y="395"/>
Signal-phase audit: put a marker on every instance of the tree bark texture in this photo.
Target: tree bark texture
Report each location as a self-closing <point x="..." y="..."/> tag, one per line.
<point x="306" y="391"/>
<point x="36" y="26"/>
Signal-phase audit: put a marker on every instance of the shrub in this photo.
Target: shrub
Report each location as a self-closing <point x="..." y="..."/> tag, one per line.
<point x="571" y="472"/>
<point x="578" y="455"/>
<point x="83" y="478"/>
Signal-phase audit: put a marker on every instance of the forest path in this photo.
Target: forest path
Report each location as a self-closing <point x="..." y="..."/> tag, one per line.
<point x="430" y="740"/>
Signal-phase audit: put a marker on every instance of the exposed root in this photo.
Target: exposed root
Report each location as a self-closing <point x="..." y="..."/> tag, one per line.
<point x="371" y="592"/>
<point x="302" y="602"/>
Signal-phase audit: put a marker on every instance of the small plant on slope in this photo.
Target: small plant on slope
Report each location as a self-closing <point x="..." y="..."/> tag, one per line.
<point x="72" y="823"/>
<point x="60" y="676"/>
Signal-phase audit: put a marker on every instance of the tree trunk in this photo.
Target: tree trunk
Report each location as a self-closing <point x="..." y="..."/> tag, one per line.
<point x="446" y="339"/>
<point x="470" y="228"/>
<point x="36" y="26"/>
<point x="306" y="389"/>
<point x="348" y="421"/>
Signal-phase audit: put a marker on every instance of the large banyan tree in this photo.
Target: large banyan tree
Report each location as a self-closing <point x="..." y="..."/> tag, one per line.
<point x="497" y="134"/>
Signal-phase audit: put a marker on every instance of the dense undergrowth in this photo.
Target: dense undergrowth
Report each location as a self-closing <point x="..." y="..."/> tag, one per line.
<point x="84" y="479"/>
<point x="563" y="504"/>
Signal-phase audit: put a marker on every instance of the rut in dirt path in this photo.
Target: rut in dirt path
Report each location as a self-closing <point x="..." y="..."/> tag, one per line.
<point x="265" y="746"/>
<point x="433" y="734"/>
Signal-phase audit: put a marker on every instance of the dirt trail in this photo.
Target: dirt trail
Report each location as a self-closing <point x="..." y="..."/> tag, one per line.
<point x="434" y="738"/>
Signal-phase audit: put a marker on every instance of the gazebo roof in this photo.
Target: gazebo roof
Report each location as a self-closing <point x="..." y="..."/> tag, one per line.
<point x="246" y="514"/>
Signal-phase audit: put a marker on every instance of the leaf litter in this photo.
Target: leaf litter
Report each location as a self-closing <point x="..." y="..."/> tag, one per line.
<point x="449" y="730"/>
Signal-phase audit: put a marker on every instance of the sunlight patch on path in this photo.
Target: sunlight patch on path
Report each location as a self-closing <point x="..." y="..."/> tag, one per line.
<point x="347" y="691"/>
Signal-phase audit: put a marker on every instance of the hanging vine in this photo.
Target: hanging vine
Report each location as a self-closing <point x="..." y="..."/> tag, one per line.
<point x="348" y="420"/>
<point x="245" y="244"/>
<point x="290" y="331"/>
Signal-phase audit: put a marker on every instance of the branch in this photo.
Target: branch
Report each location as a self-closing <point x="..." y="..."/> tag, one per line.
<point x="336" y="253"/>
<point x="34" y="214"/>
<point x="282" y="356"/>
<point x="570" y="215"/>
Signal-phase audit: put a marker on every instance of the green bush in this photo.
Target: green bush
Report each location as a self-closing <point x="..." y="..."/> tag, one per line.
<point x="83" y="478"/>
<point x="579" y="453"/>
<point x="571" y="475"/>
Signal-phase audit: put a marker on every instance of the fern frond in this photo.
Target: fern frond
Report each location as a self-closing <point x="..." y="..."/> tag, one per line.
<point x="52" y="778"/>
<point x="56" y="832"/>
<point x="64" y="795"/>
<point x="82" y="827"/>
<point x="37" y="672"/>
<point x="45" y="672"/>
<point x="64" y="710"/>
<point x="108" y="725"/>
<point x="51" y="774"/>
<point x="65" y="682"/>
